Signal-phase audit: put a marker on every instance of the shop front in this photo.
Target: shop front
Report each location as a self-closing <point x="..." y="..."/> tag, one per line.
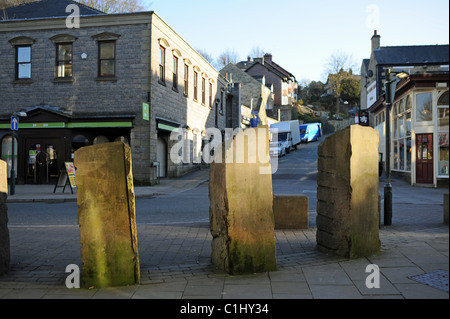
<point x="47" y="138"/>
<point x="419" y="130"/>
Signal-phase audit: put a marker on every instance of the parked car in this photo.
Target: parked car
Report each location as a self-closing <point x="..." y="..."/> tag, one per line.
<point x="277" y="149"/>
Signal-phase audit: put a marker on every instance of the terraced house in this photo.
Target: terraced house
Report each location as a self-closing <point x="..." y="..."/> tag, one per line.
<point x="101" y="78"/>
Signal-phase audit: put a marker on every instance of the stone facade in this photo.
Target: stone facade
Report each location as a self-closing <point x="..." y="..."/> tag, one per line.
<point x="88" y="97"/>
<point x="347" y="193"/>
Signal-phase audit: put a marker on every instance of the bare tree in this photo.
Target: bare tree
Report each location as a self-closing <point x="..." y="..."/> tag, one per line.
<point x="227" y="57"/>
<point x="339" y="67"/>
<point x="107" y="6"/>
<point x="208" y="57"/>
<point x="114" y="6"/>
<point x="11" y="3"/>
<point x="256" y="52"/>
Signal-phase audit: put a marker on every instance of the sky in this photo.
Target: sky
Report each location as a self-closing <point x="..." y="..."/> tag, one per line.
<point x="302" y="35"/>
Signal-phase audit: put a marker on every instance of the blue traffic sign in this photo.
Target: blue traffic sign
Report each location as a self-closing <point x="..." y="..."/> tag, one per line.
<point x="14" y="123"/>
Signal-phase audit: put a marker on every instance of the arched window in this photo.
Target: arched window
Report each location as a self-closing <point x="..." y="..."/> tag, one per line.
<point x="443" y="131"/>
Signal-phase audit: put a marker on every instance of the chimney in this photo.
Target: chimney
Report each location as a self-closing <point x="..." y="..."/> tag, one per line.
<point x="375" y="41"/>
<point x="268" y="57"/>
<point x="249" y="59"/>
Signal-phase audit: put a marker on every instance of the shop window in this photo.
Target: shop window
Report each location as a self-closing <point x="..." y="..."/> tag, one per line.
<point x="443" y="127"/>
<point x="122" y="139"/>
<point x="7" y="153"/>
<point x="100" y="140"/>
<point x="424" y="107"/>
<point x="78" y="142"/>
<point x="401" y="132"/>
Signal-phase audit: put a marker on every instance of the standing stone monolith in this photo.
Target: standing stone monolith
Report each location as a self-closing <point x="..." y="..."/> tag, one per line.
<point x="241" y="204"/>
<point x="347" y="193"/>
<point x="106" y="215"/>
<point x="4" y="231"/>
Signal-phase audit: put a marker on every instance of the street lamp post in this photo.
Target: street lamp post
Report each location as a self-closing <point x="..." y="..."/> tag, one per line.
<point x="389" y="99"/>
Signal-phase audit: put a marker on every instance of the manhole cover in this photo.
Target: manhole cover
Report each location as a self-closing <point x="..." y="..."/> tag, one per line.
<point x="437" y="279"/>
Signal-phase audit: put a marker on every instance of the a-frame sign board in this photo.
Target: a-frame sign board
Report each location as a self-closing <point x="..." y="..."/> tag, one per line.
<point x="66" y="176"/>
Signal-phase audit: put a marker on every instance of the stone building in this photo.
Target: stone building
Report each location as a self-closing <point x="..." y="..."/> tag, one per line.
<point x="113" y="77"/>
<point x="283" y="83"/>
<point x="256" y="97"/>
<point x="419" y="117"/>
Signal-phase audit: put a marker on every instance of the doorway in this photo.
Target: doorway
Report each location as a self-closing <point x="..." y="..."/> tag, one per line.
<point x="44" y="158"/>
<point x="161" y="155"/>
<point x="424" y="159"/>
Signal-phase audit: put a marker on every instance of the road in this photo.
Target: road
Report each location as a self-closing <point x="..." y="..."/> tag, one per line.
<point x="296" y="174"/>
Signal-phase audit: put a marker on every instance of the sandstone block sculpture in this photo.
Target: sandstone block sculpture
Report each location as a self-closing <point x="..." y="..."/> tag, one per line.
<point x="106" y="215"/>
<point x="4" y="232"/>
<point x="347" y="193"/>
<point x="241" y="204"/>
<point x="290" y="211"/>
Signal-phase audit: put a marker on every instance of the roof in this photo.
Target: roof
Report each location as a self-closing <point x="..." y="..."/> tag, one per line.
<point x="47" y="9"/>
<point x="410" y="55"/>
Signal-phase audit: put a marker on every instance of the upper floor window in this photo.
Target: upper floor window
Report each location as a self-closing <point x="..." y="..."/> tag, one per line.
<point x="23" y="62"/>
<point x="186" y="79"/>
<point x="175" y="73"/>
<point x="210" y="94"/>
<point x="162" y="64"/>
<point x="203" y="90"/>
<point x="64" y="61"/>
<point x="424" y="107"/>
<point x="107" y="58"/>
<point x="195" y="85"/>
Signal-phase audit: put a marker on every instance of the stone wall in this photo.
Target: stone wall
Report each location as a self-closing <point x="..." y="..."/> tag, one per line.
<point x="347" y="193"/>
<point x="4" y="232"/>
<point x="241" y="209"/>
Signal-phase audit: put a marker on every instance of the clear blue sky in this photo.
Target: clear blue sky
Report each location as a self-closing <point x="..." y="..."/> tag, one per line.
<point x="301" y="35"/>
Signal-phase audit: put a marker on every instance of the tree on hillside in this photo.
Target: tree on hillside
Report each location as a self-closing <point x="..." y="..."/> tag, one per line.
<point x="339" y="68"/>
<point x="227" y="57"/>
<point x="114" y="6"/>
<point x="107" y="6"/>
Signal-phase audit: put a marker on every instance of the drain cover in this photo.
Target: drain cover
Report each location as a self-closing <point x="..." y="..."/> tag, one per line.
<point x="436" y="279"/>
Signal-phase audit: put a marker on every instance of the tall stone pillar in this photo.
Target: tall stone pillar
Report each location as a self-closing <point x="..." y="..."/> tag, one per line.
<point x="106" y="214"/>
<point x="347" y="193"/>
<point x="241" y="205"/>
<point x="4" y="231"/>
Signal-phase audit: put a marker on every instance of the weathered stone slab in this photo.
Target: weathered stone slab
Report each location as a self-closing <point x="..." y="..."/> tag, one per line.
<point x="290" y="211"/>
<point x="347" y="193"/>
<point x="4" y="231"/>
<point x="106" y="214"/>
<point x="241" y="205"/>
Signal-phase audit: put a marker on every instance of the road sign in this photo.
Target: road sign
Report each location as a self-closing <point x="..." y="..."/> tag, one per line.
<point x="14" y="123"/>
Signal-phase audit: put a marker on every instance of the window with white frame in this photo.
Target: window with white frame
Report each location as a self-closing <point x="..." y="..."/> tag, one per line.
<point x="443" y="132"/>
<point x="401" y="134"/>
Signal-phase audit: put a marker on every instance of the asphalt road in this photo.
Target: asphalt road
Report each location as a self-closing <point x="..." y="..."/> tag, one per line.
<point x="296" y="174"/>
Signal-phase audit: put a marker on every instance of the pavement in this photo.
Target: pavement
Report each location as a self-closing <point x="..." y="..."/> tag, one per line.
<point x="175" y="258"/>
